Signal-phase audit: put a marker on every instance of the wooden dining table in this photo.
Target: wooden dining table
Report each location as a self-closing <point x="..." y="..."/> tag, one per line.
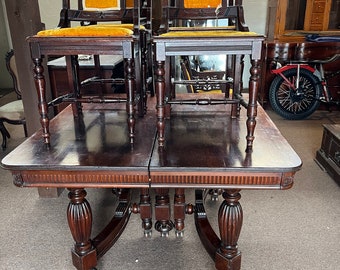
<point x="205" y="151"/>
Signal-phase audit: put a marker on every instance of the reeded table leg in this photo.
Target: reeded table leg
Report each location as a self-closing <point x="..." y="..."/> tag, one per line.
<point x="79" y="216"/>
<point x="230" y="217"/>
<point x="223" y="251"/>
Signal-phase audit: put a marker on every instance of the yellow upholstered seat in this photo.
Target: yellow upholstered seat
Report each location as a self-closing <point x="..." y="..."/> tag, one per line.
<point x="201" y="3"/>
<point x="88" y="31"/>
<point x="208" y="34"/>
<point x="105" y="4"/>
<point x="97" y="28"/>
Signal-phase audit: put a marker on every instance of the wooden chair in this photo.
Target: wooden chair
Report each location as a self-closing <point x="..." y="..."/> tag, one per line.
<point x="12" y="112"/>
<point x="105" y="29"/>
<point x="234" y="40"/>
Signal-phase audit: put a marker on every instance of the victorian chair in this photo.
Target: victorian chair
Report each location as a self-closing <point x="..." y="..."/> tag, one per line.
<point x="12" y="112"/>
<point x="233" y="39"/>
<point x="106" y="28"/>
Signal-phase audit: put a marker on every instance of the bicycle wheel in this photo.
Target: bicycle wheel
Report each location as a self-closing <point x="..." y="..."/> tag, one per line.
<point x="295" y="104"/>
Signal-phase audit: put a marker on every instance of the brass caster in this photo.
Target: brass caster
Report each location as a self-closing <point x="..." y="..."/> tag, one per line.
<point x="179" y="234"/>
<point x="147" y="233"/>
<point x="214" y="198"/>
<point x="164" y="234"/>
<point x="164" y="227"/>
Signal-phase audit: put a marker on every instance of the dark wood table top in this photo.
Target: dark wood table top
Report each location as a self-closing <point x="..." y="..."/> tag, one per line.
<point x="205" y="147"/>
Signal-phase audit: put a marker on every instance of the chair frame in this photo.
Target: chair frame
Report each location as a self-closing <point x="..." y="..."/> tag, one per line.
<point x="90" y="17"/>
<point x="236" y="47"/>
<point x="71" y="47"/>
<point x="4" y="132"/>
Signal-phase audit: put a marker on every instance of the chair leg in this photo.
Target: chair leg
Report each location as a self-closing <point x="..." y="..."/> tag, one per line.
<point x="5" y="134"/>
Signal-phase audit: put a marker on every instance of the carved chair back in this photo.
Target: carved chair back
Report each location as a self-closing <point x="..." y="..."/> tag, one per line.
<point x="180" y="12"/>
<point x="12" y="70"/>
<point x="92" y="12"/>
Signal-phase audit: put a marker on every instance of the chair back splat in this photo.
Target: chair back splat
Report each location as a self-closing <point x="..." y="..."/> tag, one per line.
<point x="96" y="29"/>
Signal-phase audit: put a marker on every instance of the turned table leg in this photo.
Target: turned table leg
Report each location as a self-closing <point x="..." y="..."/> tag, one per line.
<point x="145" y="211"/>
<point x="79" y="216"/>
<point x="179" y="211"/>
<point x="162" y="212"/>
<point x="230" y="217"/>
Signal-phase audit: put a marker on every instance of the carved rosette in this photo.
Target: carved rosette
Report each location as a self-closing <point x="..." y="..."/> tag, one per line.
<point x="18" y="180"/>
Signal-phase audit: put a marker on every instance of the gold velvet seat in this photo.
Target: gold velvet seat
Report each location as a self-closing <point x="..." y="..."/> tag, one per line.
<point x="110" y="27"/>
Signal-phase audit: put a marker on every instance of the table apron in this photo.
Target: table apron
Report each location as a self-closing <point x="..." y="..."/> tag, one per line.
<point x="166" y="179"/>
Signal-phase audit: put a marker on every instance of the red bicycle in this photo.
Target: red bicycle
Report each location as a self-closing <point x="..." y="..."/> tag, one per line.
<point x="299" y="87"/>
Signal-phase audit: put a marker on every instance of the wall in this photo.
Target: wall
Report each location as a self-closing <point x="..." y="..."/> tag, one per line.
<point x="256" y="15"/>
<point x="255" y="12"/>
<point x="5" y="79"/>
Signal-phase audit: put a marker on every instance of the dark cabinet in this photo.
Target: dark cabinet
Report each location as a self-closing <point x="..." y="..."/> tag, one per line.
<point x="328" y="156"/>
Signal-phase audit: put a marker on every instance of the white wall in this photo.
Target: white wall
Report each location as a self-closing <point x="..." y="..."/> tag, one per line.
<point x="255" y="12"/>
<point x="5" y="45"/>
<point x="49" y="12"/>
<point x="256" y="15"/>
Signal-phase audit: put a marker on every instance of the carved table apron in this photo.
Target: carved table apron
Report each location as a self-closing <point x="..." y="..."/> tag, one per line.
<point x="205" y="151"/>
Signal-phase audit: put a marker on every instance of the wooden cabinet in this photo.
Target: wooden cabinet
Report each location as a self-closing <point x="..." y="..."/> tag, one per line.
<point x="291" y="20"/>
<point x="328" y="156"/>
<point x="316" y="18"/>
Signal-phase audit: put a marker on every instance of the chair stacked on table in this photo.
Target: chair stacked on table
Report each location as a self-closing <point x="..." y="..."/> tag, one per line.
<point x="103" y="28"/>
<point x="176" y="39"/>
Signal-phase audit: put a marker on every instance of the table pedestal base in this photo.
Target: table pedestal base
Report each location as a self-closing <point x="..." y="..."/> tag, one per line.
<point x="86" y="252"/>
<point x="223" y="251"/>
